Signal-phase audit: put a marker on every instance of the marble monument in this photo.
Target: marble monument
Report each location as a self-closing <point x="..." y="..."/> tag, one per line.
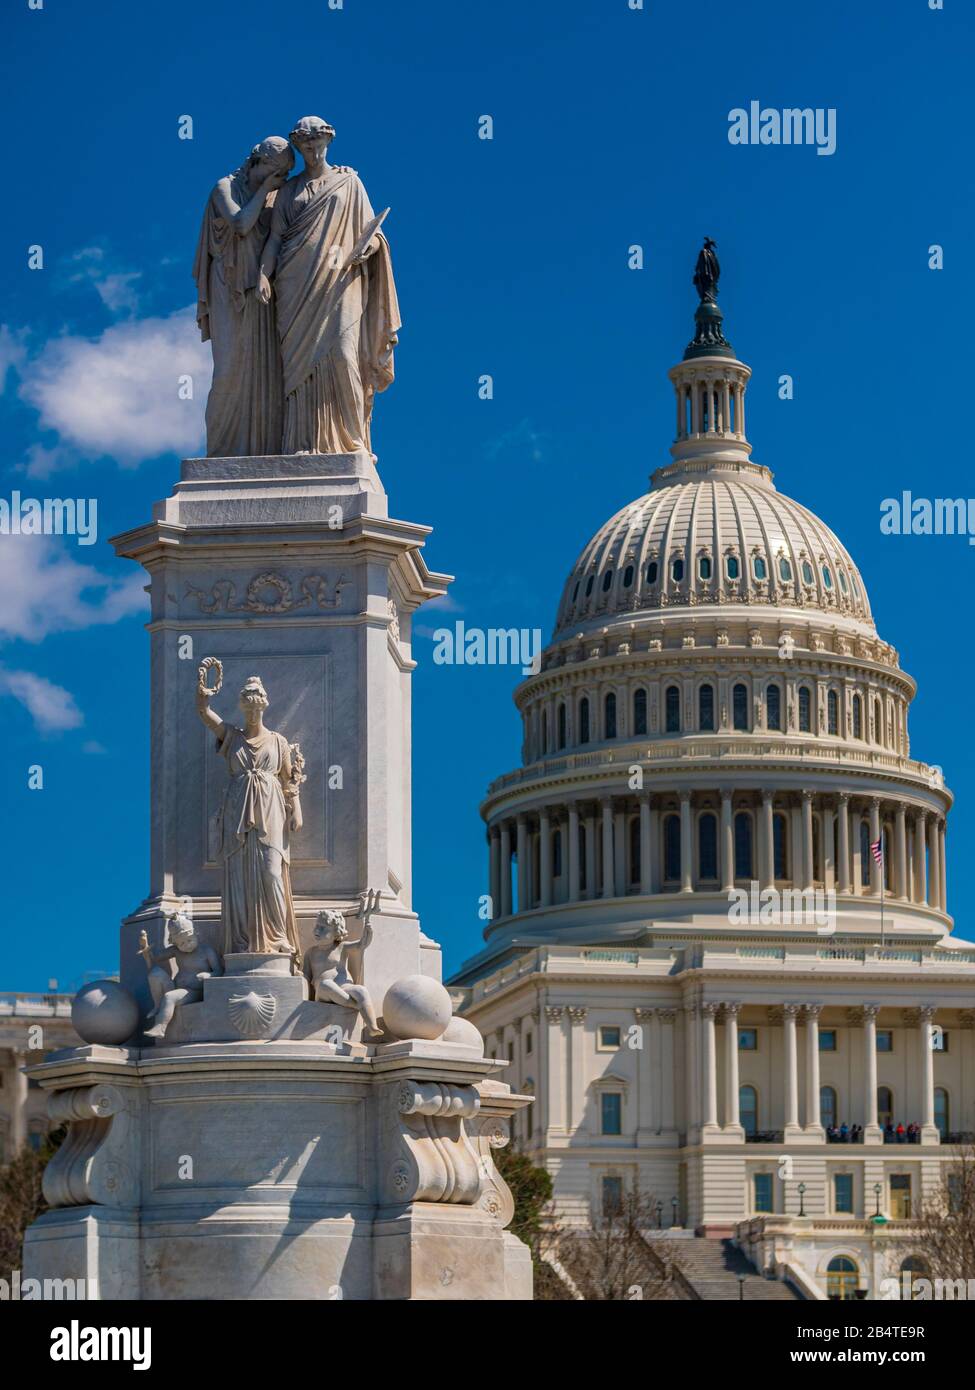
<point x="274" y="1101"/>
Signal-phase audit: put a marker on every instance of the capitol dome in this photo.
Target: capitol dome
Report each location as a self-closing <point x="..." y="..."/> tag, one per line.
<point x="713" y="534"/>
<point x="714" y="713"/>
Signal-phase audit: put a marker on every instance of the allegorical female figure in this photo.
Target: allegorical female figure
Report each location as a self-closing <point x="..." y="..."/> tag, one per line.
<point x="244" y="415"/>
<point x="260" y="806"/>
<point x="337" y="313"/>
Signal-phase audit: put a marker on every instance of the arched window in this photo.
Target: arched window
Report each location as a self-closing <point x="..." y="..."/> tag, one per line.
<point x="785" y="571"/>
<point x="743" y="845"/>
<point x="827" y="1106"/>
<point x="885" y="1106"/>
<point x="704" y="567"/>
<point x="913" y="1268"/>
<point x="607" y="580"/>
<point x="739" y="707"/>
<point x="653" y="570"/>
<point x="672" y="848"/>
<point x="827" y="578"/>
<point x="866" y="858"/>
<point x="705" y="709"/>
<point x="805" y="710"/>
<point x="842" y="1279"/>
<point x="732" y="567"/>
<point x="760" y="568"/>
<point x="677" y="570"/>
<point x="773" y="707"/>
<point x="640" y="712"/>
<point x="672" y="709"/>
<point x="609" y="712"/>
<point x="635" y="850"/>
<point x="807" y="572"/>
<point x="557" y="854"/>
<point x="833" y="712"/>
<point x="584" y="719"/>
<point x="561" y="721"/>
<point x="857" y="717"/>
<point x="627" y="576"/>
<point x="748" y="1108"/>
<point x="941" y="1116"/>
<point x="780" y="847"/>
<point x="707" y="846"/>
<point x="589" y="583"/>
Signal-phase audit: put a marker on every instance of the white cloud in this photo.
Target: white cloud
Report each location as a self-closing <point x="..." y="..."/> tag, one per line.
<point x="116" y="289"/>
<point x="46" y="590"/>
<point x="118" y="394"/>
<point x="52" y="708"/>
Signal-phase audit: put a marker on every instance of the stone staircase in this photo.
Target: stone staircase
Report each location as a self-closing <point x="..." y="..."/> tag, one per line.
<point x="710" y="1268"/>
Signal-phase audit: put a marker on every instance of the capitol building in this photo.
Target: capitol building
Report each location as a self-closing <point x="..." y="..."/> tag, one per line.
<point x="720" y="957"/>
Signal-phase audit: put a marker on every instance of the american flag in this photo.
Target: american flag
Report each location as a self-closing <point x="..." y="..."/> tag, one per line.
<point x="877" y="851"/>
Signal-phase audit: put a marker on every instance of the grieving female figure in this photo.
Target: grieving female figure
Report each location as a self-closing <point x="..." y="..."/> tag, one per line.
<point x="337" y="313"/>
<point x="243" y="414"/>
<point x="260" y="806"/>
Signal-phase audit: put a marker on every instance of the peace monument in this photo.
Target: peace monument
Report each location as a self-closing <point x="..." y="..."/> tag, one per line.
<point x="274" y="1100"/>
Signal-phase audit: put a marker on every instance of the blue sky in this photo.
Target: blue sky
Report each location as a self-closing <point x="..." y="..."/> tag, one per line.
<point x="610" y="129"/>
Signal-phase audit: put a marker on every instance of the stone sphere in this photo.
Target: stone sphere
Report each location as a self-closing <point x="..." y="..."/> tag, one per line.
<point x="416" y="1007"/>
<point x="464" y="1032"/>
<point x="104" y="1012"/>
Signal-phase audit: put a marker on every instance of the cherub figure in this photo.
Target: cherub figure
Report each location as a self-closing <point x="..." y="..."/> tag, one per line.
<point x="333" y="965"/>
<point x="195" y="962"/>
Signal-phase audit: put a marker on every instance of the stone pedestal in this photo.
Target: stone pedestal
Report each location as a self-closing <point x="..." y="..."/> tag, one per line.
<point x="278" y="1170"/>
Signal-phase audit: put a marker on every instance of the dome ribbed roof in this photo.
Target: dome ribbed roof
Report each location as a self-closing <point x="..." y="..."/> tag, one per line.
<point x="723" y="537"/>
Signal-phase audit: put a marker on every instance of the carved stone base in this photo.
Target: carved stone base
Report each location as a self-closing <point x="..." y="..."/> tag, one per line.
<point x="278" y="1170"/>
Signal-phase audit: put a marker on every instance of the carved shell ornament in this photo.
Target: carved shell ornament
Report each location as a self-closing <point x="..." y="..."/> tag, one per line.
<point x="251" y="1013"/>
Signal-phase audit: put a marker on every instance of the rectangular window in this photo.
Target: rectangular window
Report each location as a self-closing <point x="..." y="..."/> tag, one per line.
<point x="747" y="1039"/>
<point x="827" y="1039"/>
<point x="939" y="1040"/>
<point x="885" y="1040"/>
<point x="762" y="1186"/>
<point x="611" y="1112"/>
<point x="609" y="1036"/>
<point x="529" y="1042"/>
<point x="843" y="1192"/>
<point x="612" y="1196"/>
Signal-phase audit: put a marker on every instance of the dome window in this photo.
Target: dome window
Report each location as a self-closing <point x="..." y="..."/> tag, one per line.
<point x="732" y="567"/>
<point x="607" y="580"/>
<point x="842" y="578"/>
<point x="827" y="578"/>
<point x="652" y="570"/>
<point x="773" y="708"/>
<point x="807" y="572"/>
<point x="677" y="570"/>
<point x="704" y="567"/>
<point x="575" y="591"/>
<point x="833" y="712"/>
<point x="584" y="720"/>
<point x="739" y="708"/>
<point x="609" y="716"/>
<point x="640" y="712"/>
<point x="561" y="726"/>
<point x="856" y="587"/>
<point x="760" y="568"/>
<point x="627" y="576"/>
<point x="785" y="571"/>
<point x="672" y="710"/>
<point x="705" y="709"/>
<point x="589" y="586"/>
<point x="805" y="710"/>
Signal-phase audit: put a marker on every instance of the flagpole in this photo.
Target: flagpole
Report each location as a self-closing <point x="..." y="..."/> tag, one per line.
<point x="883" y="875"/>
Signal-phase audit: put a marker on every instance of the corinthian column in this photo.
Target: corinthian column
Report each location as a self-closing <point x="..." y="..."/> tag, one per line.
<point x="732" y="1115"/>
<point x="505" y="839"/>
<point x="709" y="1060"/>
<point x="608" y="865"/>
<point x="790" y="1013"/>
<point x="872" y="1133"/>
<point x="494" y="871"/>
<point x="686" y="846"/>
<point x="934" y="865"/>
<point x="766" y="843"/>
<point x="929" y="1130"/>
<point x="813" y="1121"/>
<point x="843" y="843"/>
<point x="544" y="858"/>
<point x="727" y="843"/>
<point x="808" y="868"/>
<point x="572" y="857"/>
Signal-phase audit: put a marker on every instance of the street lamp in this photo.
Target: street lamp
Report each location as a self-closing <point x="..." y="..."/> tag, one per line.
<point x="741" y="1288"/>
<point x="673" y="1203"/>
<point x="658" y="1209"/>
<point x="802" y="1194"/>
<point x="877" y="1189"/>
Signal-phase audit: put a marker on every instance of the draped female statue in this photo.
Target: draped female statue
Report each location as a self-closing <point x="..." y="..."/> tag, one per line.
<point x="337" y="313"/>
<point x="260" y="806"/>
<point x="243" y="415"/>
